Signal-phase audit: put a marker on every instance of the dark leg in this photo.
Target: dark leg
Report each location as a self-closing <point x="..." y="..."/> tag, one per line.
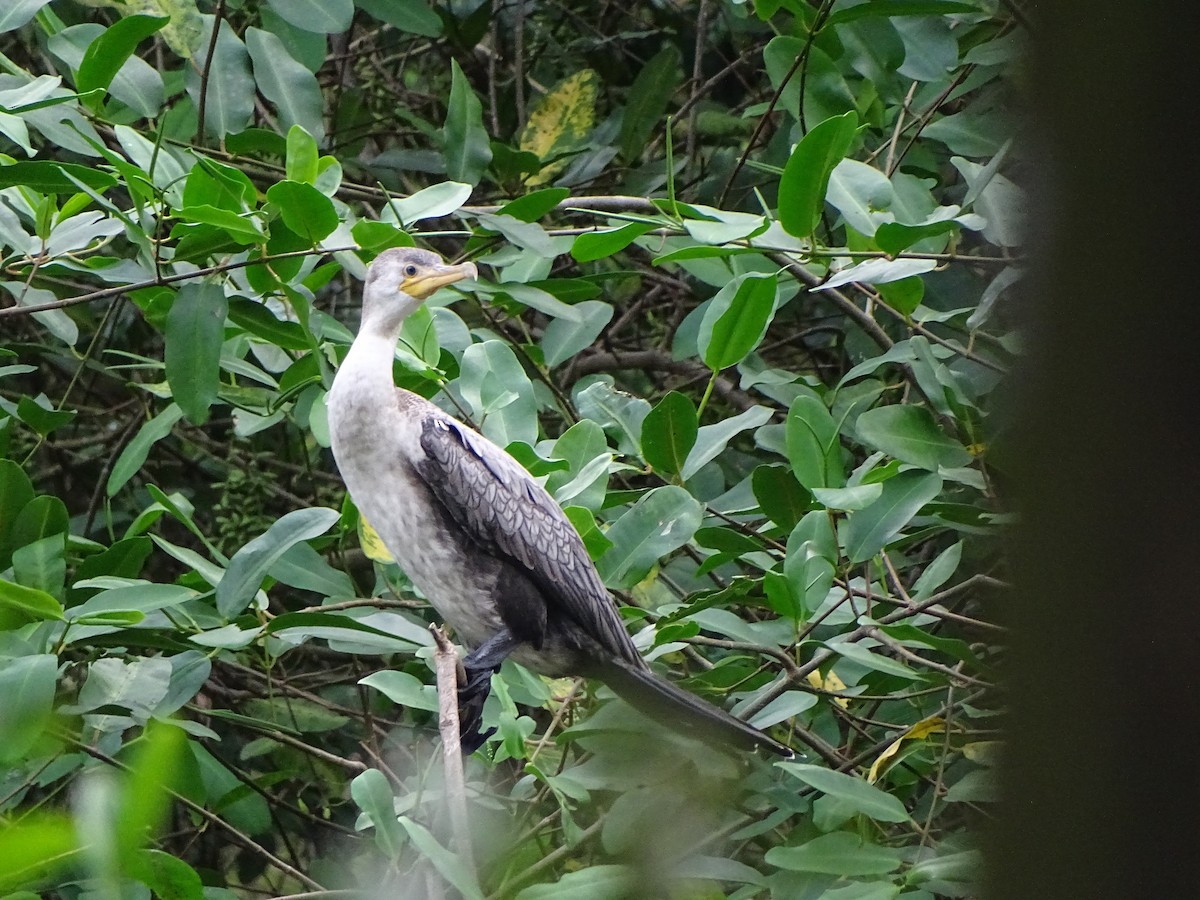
<point x="479" y="665"/>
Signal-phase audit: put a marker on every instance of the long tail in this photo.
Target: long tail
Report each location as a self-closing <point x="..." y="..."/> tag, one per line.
<point x="685" y="712"/>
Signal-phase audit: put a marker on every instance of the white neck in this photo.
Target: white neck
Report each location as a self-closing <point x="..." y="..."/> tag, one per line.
<point x="365" y="376"/>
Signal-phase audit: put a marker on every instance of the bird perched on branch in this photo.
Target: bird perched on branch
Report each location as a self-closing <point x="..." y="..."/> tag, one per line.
<point x="483" y="541"/>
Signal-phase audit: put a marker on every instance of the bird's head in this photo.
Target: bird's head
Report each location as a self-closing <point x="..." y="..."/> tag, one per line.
<point x="402" y="278"/>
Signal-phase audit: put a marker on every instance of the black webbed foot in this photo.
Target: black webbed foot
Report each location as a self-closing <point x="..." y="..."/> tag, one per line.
<point x="476" y="683"/>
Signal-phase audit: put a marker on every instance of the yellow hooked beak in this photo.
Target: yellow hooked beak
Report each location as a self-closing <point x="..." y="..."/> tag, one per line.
<point x="428" y="279"/>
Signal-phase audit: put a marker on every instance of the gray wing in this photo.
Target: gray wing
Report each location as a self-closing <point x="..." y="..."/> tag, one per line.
<point x="510" y="516"/>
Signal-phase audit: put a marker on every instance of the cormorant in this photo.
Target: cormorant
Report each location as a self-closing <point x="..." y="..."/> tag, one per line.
<point x="484" y="542"/>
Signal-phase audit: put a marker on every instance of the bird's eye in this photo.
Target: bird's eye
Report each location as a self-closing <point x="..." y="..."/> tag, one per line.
<point x="410" y="270"/>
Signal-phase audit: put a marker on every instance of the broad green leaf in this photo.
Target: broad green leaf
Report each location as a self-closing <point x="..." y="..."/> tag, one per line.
<point x="499" y="392"/>
<point x="194" y="333"/>
<point x="812" y="552"/>
<point x="41" y="517"/>
<point x="136" y="686"/>
<point x="249" y="566"/>
<point x="166" y="876"/>
<point x="910" y="434"/>
<point x="838" y="853"/>
<point x="141" y="598"/>
<point x="563" y="338"/>
<point x="373" y="794"/>
<point x="154" y="770"/>
<point x="305" y="210"/>
<point x="780" y="496"/>
<point x="871" y="660"/>
<point x="27" y="684"/>
<point x="893" y="8"/>
<point x="662" y="521"/>
<point x="465" y="140"/>
<point x="711" y="440"/>
<point x="786" y="706"/>
<point x="285" y="82"/>
<point x="16" y="490"/>
<point x="453" y="869"/>
<point x="647" y="101"/>
<point x="528" y="235"/>
<point x="134" y="456"/>
<point x="302" y="155"/>
<point x="29" y="602"/>
<point x="805" y="179"/>
<point x="534" y="205"/>
<point x="404" y="689"/>
<point x="412" y="16"/>
<point x="42" y="564"/>
<point x="736" y="320"/>
<point x="879" y="271"/>
<point x="321" y="16"/>
<point x="36" y="847"/>
<point x="48" y="177"/>
<point x="593" y="883"/>
<point x="593" y="245"/>
<point x="866" y="799"/>
<point x="17" y="12"/>
<point x="349" y="635"/>
<point x="229" y="95"/>
<point x="869" y="530"/>
<point x="812" y="444"/>
<point x="861" y="193"/>
<point x="428" y="203"/>
<point x="669" y="433"/>
<point x="848" y="498"/>
<point x="107" y="54"/>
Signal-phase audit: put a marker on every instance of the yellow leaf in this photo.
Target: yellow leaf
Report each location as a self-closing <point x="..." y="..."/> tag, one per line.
<point x="924" y="728"/>
<point x="372" y="543"/>
<point x="560" y="122"/>
<point x="831" y="683"/>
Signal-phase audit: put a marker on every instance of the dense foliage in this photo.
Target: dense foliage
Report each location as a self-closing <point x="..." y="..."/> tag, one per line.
<point x="741" y="306"/>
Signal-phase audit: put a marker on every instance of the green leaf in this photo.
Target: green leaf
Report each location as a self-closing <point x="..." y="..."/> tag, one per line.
<point x="805" y="179"/>
<point x="711" y="440"/>
<point x="593" y="883"/>
<point x="404" y="689"/>
<point x="871" y="660"/>
<point x="320" y="16"/>
<point x="305" y="210"/>
<point x="448" y="864"/>
<point x="249" y="566"/>
<point x="27" y="684"/>
<point x="48" y="177"/>
<point x="661" y="521"/>
<point x="40" y="517"/>
<point x="499" y="392"/>
<point x="812" y="444"/>
<point x="869" y="530"/>
<point x="910" y="434"/>
<point x="564" y="337"/>
<point x="780" y="496"/>
<point x="286" y="83"/>
<point x="432" y="202"/>
<point x="136" y="451"/>
<point x="411" y="16"/>
<point x="863" y="797"/>
<point x="839" y="853"/>
<point x="647" y="101"/>
<point x="593" y="245"/>
<point x="194" y="333"/>
<point x="534" y="205"/>
<point x="302" y="155"/>
<point x="17" y="12"/>
<point x="167" y="877"/>
<point x="465" y="140"/>
<point x="736" y="320"/>
<point x="892" y="8"/>
<point x="373" y="794"/>
<point x="29" y="602"/>
<point x="230" y="91"/>
<point x="669" y="433"/>
<point x="107" y="54"/>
